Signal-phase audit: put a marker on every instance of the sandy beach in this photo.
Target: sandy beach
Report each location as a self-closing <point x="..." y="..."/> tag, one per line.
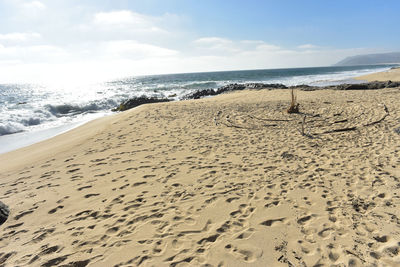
<point x="231" y="180"/>
<point x="389" y="75"/>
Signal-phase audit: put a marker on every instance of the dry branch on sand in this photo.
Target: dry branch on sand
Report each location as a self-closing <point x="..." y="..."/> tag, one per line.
<point x="294" y="106"/>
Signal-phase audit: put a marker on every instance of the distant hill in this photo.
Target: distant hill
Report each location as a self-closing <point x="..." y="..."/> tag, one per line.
<point x="370" y="59"/>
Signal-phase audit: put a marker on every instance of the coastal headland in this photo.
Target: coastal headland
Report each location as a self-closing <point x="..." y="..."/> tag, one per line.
<point x="232" y="180"/>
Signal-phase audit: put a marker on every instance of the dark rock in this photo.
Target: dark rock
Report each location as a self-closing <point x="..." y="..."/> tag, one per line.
<point x="275" y="86"/>
<point x="367" y="86"/>
<point x="255" y="85"/>
<point x="201" y="93"/>
<point x="137" y="101"/>
<point x="232" y="87"/>
<point x="304" y="87"/>
<point x="4" y="212"/>
<point x="390" y="84"/>
<point x="360" y="86"/>
<point x="350" y="86"/>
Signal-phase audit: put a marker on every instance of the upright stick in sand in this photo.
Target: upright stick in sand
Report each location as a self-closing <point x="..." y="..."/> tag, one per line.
<point x="294" y="106"/>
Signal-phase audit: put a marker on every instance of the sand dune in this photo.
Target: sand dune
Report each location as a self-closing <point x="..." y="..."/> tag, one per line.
<point x="223" y="181"/>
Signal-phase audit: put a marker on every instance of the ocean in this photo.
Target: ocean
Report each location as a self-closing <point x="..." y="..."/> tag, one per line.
<point x="32" y="112"/>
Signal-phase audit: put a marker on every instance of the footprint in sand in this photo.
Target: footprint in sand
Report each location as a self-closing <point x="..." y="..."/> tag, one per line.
<point x="246" y="234"/>
<point x="23" y="213"/>
<point x="55" y="209"/>
<point x="325" y="232"/>
<point x="271" y="222"/>
<point x="244" y="252"/>
<point x="84" y="187"/>
<point x="304" y="220"/>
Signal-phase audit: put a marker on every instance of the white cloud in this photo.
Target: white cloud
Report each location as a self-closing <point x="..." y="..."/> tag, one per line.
<point x="127" y="19"/>
<point x="216" y="44"/>
<point x="267" y="47"/>
<point x="33" y="53"/>
<point x="134" y="50"/>
<point x="212" y="41"/>
<point x="252" y="42"/>
<point x="34" y="5"/>
<point x="118" y="17"/>
<point x="256" y="54"/>
<point x="307" y="46"/>
<point x="226" y="54"/>
<point x="19" y="36"/>
<point x="24" y="11"/>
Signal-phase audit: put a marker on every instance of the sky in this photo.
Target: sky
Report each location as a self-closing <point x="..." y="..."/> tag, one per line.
<point x="59" y="40"/>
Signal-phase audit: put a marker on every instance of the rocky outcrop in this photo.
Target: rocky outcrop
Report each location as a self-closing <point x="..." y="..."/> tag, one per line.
<point x="265" y="85"/>
<point x="367" y="86"/>
<point x="4" y="212"/>
<point x="232" y="87"/>
<point x="201" y="93"/>
<point x="237" y="87"/>
<point x="137" y="101"/>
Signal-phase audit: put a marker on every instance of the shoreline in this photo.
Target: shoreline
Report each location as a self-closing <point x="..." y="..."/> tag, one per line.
<point x="208" y="181"/>
<point x="11" y="142"/>
<point x="392" y="74"/>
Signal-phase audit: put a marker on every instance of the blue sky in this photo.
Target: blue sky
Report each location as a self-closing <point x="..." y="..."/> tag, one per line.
<point x="82" y="39"/>
<point x="336" y="23"/>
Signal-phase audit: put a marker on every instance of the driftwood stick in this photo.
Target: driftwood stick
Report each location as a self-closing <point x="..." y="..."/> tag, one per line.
<point x="381" y="119"/>
<point x="354" y="128"/>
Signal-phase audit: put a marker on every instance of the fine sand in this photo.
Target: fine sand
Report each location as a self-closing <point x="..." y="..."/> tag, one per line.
<point x="389" y="75"/>
<point x="222" y="181"/>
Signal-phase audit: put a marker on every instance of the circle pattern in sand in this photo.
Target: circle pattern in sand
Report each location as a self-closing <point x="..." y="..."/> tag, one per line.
<point x="322" y="118"/>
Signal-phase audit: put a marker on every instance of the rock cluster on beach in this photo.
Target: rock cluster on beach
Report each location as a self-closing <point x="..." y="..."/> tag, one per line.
<point x="366" y="86"/>
<point x="4" y="212"/>
<point x="137" y="101"/>
<point x="238" y="87"/>
<point x="232" y="87"/>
